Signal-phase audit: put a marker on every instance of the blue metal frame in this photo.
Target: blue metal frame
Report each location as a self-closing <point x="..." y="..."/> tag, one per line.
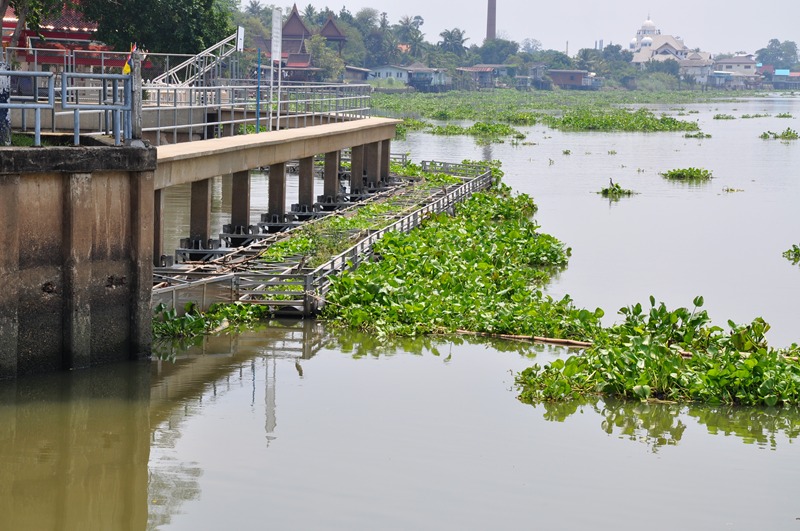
<point x="32" y="102"/>
<point x="120" y="109"/>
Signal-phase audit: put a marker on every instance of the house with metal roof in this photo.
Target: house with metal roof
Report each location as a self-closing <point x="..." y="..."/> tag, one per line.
<point x="417" y="75"/>
<point x="785" y="80"/>
<point x="575" y="79"/>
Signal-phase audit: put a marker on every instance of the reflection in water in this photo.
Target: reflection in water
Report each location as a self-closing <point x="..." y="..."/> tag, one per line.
<point x="360" y="345"/>
<point x="129" y="446"/>
<point x="663" y="424"/>
<point x="74" y="450"/>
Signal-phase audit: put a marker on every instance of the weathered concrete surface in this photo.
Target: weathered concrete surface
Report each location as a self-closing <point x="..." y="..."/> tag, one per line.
<point x="75" y="257"/>
<point x="195" y="161"/>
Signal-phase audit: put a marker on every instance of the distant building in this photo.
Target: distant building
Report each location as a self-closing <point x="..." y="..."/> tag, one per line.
<point x="739" y="72"/>
<point x="484" y="76"/>
<point x="295" y="59"/>
<point x="650" y="44"/>
<point x="59" y="34"/>
<point x="417" y="75"/>
<point x="696" y="67"/>
<point x="575" y="79"/>
<point x="786" y="80"/>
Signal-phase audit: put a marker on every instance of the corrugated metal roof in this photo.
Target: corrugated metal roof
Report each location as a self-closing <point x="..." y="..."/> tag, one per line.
<point x="476" y="69"/>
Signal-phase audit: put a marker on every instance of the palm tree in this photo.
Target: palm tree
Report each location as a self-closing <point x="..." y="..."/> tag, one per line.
<point x="453" y="41"/>
<point x="309" y="13"/>
<point x="253" y="8"/>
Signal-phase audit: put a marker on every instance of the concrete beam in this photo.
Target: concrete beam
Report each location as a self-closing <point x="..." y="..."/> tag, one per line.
<point x="306" y="183"/>
<point x="240" y="199"/>
<point x="200" y="211"/>
<point x="193" y="161"/>
<point x="276" y="205"/>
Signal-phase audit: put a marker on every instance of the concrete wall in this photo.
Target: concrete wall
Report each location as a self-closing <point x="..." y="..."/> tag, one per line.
<point x="75" y="256"/>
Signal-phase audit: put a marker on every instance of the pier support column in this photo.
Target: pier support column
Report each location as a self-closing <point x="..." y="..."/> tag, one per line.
<point x="373" y="162"/>
<point x="386" y="157"/>
<point x="142" y="212"/>
<point x="331" y="188"/>
<point x="240" y="199"/>
<point x="357" y="170"/>
<point x="276" y="209"/>
<point x="78" y="230"/>
<point x="306" y="184"/>
<point x="158" y="227"/>
<point x="9" y="275"/>
<point x="200" y="211"/>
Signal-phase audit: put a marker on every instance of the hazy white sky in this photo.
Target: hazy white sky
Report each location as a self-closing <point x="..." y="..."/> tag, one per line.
<point x="715" y="26"/>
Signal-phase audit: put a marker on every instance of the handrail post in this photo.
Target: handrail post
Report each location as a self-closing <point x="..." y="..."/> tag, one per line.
<point x="136" y="97"/>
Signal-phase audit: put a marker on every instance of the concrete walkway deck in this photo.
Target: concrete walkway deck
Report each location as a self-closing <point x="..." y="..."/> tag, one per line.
<point x="195" y="161"/>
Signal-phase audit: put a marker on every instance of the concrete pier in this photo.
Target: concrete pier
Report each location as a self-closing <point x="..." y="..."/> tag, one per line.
<point x="76" y="260"/>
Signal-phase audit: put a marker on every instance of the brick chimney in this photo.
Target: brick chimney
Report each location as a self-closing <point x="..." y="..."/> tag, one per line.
<point x="491" y="21"/>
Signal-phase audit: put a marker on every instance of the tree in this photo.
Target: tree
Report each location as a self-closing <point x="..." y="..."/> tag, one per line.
<point x="173" y="26"/>
<point x="323" y="57"/>
<point x="778" y="54"/>
<point x="497" y="51"/>
<point x="591" y="60"/>
<point x="531" y="45"/>
<point x="453" y="41"/>
<point x="670" y="66"/>
<point x="253" y="8"/>
<point x="30" y="13"/>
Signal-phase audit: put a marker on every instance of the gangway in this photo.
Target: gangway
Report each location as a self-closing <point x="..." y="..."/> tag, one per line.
<point x="192" y="72"/>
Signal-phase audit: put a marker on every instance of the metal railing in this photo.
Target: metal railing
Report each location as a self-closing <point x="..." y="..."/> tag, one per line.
<point x="109" y="94"/>
<point x="303" y="293"/>
<point x="32" y="101"/>
<point x="170" y="113"/>
<point x="174" y="114"/>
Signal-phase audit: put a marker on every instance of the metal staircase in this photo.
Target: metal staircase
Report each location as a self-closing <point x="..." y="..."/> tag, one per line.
<point x="192" y="72"/>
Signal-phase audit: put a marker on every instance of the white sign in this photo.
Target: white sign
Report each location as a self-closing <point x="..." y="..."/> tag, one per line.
<point x="277" y="33"/>
<point x="240" y="39"/>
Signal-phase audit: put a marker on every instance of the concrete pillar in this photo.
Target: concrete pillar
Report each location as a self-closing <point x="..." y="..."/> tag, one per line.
<point x="306" y="184"/>
<point x="276" y="205"/>
<point x="386" y="159"/>
<point x="78" y="231"/>
<point x="142" y="212"/>
<point x="240" y="199"/>
<point x="200" y="211"/>
<point x="9" y="275"/>
<point x="357" y="170"/>
<point x="158" y="226"/>
<point x="331" y="188"/>
<point x="373" y="163"/>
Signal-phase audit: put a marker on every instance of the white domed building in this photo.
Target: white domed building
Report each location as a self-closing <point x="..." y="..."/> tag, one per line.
<point x="650" y="44"/>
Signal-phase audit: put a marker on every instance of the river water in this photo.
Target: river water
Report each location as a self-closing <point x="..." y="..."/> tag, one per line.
<point x="293" y="426"/>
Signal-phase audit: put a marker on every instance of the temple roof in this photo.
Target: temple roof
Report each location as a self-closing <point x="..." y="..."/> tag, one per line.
<point x="331" y="31"/>
<point x="294" y="27"/>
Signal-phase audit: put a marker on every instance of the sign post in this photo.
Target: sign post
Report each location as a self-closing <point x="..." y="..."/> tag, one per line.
<point x="277" y="42"/>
